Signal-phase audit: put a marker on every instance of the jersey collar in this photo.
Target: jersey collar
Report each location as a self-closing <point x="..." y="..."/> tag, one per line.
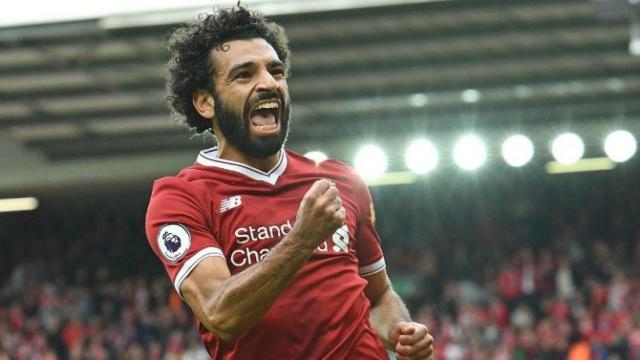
<point x="209" y="157"/>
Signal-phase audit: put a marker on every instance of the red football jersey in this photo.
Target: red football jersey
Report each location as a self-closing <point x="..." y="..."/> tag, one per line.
<point x="223" y="208"/>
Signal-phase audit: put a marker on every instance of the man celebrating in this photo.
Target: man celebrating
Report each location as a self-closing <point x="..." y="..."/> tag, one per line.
<point x="277" y="256"/>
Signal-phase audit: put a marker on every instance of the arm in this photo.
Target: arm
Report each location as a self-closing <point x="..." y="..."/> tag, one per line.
<point x="228" y="305"/>
<point x="387" y="309"/>
<point x="391" y="320"/>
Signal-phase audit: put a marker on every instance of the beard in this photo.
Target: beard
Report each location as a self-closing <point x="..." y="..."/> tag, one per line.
<point x="235" y="127"/>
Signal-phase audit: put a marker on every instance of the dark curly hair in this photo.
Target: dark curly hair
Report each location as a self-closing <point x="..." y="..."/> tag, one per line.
<point x="191" y="67"/>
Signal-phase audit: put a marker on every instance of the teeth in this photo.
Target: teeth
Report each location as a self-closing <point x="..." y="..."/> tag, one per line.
<point x="269" y="105"/>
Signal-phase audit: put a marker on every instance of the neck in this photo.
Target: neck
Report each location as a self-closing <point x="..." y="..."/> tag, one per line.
<point x="227" y="151"/>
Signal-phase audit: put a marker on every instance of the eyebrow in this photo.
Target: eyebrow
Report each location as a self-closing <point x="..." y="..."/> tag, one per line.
<point x="248" y="64"/>
<point x="276" y="63"/>
<point x="237" y="67"/>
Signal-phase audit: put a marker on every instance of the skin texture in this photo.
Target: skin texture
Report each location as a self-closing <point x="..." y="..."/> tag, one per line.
<point x="228" y="305"/>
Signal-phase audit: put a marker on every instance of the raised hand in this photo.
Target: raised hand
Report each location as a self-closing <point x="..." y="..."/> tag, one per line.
<point x="320" y="213"/>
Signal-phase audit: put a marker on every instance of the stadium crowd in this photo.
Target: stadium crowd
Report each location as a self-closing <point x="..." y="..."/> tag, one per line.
<point x="525" y="277"/>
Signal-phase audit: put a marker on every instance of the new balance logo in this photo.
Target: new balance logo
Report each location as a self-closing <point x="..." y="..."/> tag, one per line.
<point x="230" y="203"/>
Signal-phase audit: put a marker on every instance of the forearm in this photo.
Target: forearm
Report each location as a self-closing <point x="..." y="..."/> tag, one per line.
<point x="388" y="311"/>
<point x="242" y="299"/>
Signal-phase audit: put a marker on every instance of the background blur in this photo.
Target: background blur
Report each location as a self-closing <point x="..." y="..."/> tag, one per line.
<point x="502" y="255"/>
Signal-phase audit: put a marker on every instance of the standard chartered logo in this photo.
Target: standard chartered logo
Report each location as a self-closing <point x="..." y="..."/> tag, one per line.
<point x="255" y="234"/>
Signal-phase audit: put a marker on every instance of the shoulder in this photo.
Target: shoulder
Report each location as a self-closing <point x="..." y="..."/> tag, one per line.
<point x="192" y="179"/>
<point x="331" y="168"/>
<point x="186" y="189"/>
<point x="181" y="183"/>
<point x="344" y="173"/>
<point x="177" y="200"/>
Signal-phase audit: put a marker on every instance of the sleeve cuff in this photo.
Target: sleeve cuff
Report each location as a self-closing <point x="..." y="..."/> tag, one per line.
<point x="372" y="268"/>
<point x="191" y="264"/>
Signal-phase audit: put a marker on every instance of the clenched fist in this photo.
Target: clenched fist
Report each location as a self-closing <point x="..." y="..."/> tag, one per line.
<point x="320" y="213"/>
<point x="412" y="341"/>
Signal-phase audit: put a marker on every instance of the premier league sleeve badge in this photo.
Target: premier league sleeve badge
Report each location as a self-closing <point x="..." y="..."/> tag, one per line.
<point x="173" y="241"/>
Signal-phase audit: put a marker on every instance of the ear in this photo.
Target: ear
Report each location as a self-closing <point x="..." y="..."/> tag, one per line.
<point x="203" y="103"/>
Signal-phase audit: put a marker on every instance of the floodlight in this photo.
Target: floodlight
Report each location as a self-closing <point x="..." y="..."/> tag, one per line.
<point x="317" y="156"/>
<point x="567" y="148"/>
<point x="517" y="150"/>
<point x="620" y="145"/>
<point x="469" y="152"/>
<point x="421" y="156"/>
<point x="470" y="96"/>
<point x="418" y="100"/>
<point x="371" y="162"/>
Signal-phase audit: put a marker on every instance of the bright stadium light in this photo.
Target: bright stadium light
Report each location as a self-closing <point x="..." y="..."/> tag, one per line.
<point x="517" y="150"/>
<point x="18" y="204"/>
<point x="634" y="43"/>
<point x="469" y="152"/>
<point x="470" y="96"/>
<point x="567" y="148"/>
<point x="317" y="156"/>
<point x="418" y="100"/>
<point x="620" y="145"/>
<point x="634" y="47"/>
<point x="371" y="162"/>
<point x="421" y="156"/>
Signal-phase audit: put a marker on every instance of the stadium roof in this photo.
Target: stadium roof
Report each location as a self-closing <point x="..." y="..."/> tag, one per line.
<point x="83" y="101"/>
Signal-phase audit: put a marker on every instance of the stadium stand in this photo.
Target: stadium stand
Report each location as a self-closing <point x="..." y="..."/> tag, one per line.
<point x="546" y="273"/>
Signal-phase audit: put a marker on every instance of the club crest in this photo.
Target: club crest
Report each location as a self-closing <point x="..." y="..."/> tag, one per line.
<point x="174" y="240"/>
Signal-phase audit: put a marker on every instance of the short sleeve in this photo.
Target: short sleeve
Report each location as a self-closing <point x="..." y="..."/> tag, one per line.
<point x="368" y="249"/>
<point x="177" y="229"/>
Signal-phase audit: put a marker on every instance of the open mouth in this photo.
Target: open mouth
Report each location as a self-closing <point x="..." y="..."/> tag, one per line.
<point x="265" y="116"/>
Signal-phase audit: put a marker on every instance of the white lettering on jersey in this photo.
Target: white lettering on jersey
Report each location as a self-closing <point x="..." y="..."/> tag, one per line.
<point x="247" y="256"/>
<point x="267" y="232"/>
<point x="230" y="203"/>
<point x="242" y="257"/>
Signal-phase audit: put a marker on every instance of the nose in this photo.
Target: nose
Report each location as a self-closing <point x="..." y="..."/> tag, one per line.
<point x="267" y="82"/>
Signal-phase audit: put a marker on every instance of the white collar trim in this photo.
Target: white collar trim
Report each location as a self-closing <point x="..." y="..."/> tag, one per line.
<point x="209" y="157"/>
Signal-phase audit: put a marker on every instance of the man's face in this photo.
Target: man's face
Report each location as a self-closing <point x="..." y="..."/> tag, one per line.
<point x="251" y="99"/>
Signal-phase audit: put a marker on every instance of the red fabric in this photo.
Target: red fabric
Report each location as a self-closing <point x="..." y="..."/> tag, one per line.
<point x="16" y="319"/>
<point x="510" y="281"/>
<point x="73" y="333"/>
<point x="500" y="313"/>
<point x="605" y="328"/>
<point x="174" y="302"/>
<point x="558" y="309"/>
<point x="323" y="313"/>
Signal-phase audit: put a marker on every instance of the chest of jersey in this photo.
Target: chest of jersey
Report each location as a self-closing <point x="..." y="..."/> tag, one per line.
<point x="250" y="221"/>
